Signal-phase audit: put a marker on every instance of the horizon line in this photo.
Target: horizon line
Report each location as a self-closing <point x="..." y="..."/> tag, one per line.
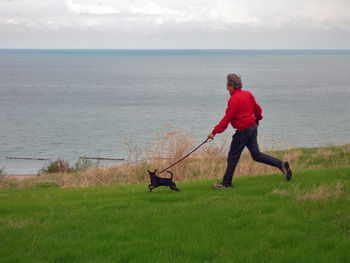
<point x="194" y="49"/>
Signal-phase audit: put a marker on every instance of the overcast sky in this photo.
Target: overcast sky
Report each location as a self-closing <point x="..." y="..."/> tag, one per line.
<point x="194" y="24"/>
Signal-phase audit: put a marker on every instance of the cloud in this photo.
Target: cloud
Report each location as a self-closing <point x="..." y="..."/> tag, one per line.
<point x="205" y="21"/>
<point x="217" y="13"/>
<point x="305" y="15"/>
<point x="155" y="14"/>
<point x="98" y="9"/>
<point x="153" y="9"/>
<point x="11" y="22"/>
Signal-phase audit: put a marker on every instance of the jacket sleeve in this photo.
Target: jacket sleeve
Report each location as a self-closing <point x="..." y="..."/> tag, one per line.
<point x="257" y="111"/>
<point x="229" y="115"/>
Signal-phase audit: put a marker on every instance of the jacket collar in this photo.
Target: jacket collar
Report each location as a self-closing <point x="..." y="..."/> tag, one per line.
<point x="235" y="91"/>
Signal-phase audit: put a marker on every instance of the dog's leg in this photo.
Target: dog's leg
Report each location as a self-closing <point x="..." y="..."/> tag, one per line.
<point x="171" y="183"/>
<point x="152" y="186"/>
<point x="173" y="187"/>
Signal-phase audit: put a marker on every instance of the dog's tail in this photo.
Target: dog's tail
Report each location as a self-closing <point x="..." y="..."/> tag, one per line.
<point x="171" y="177"/>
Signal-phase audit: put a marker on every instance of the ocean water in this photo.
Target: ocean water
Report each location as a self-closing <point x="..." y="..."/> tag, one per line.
<point x="71" y="103"/>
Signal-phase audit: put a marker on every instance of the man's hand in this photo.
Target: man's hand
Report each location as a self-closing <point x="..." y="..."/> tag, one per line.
<point x="211" y="136"/>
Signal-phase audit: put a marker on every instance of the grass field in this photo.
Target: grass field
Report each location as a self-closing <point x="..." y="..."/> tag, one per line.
<point x="261" y="219"/>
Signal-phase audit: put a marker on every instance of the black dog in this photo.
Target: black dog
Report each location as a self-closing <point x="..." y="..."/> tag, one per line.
<point x="158" y="181"/>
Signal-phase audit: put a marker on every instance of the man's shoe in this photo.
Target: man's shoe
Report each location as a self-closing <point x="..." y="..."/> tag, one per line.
<point x="286" y="170"/>
<point x="221" y="186"/>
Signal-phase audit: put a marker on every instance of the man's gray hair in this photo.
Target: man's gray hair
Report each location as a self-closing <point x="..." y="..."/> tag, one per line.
<point x="235" y="80"/>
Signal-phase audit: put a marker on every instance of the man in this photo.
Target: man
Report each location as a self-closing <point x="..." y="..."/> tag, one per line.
<point x="244" y="115"/>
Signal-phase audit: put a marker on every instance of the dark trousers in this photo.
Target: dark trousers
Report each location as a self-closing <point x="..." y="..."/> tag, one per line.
<point x="240" y="139"/>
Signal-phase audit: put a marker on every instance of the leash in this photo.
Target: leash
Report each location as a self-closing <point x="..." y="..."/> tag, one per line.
<point x="207" y="140"/>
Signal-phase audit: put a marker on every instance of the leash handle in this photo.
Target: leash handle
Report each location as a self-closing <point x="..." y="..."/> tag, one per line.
<point x="207" y="140"/>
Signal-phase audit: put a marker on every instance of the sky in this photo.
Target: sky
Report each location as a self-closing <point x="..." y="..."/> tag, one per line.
<point x="175" y="24"/>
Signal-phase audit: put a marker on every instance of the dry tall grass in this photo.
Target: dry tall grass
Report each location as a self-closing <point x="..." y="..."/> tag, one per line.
<point x="170" y="146"/>
<point x="209" y="161"/>
<point x="316" y="192"/>
<point x="2" y="178"/>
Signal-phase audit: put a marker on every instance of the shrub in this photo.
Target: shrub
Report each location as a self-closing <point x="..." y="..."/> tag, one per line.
<point x="2" y="171"/>
<point x="58" y="166"/>
<point x="82" y="165"/>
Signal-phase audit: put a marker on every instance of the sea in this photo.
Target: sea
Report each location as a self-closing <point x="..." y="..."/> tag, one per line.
<point x="72" y="103"/>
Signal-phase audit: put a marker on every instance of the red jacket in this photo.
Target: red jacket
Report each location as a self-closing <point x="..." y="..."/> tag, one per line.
<point x="242" y="112"/>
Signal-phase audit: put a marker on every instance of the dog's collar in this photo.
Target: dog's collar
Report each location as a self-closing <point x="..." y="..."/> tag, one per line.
<point x="154" y="175"/>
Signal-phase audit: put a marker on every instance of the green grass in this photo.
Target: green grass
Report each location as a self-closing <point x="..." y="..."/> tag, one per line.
<point x="261" y="219"/>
